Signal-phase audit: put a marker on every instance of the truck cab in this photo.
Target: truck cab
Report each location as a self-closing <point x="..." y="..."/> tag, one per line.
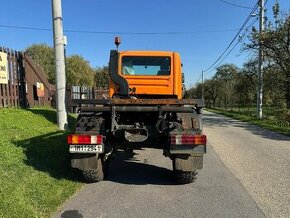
<point x="149" y="74"/>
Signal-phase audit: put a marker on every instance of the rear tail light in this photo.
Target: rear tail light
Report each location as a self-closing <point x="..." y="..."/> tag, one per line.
<point x="85" y="139"/>
<point x="187" y="139"/>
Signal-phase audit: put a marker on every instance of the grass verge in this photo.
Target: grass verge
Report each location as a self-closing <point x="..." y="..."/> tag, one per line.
<point x="267" y="123"/>
<point x="35" y="176"/>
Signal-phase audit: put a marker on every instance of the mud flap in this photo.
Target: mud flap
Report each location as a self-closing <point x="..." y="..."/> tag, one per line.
<point x="188" y="163"/>
<point x="84" y="161"/>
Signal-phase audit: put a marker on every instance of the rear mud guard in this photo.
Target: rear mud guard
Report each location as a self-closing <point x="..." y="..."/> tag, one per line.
<point x="84" y="161"/>
<point x="188" y="163"/>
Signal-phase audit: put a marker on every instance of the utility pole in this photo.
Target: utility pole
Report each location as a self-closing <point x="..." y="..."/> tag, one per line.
<point x="202" y="85"/>
<point x="260" y="70"/>
<point x="60" y="80"/>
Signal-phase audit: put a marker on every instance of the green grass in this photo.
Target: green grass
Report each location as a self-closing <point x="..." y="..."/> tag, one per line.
<point x="270" y="123"/>
<point x="252" y="111"/>
<point x="35" y="177"/>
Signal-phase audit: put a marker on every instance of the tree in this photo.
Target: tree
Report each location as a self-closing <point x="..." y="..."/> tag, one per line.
<point x="194" y="91"/>
<point x="212" y="91"/>
<point x="79" y="71"/>
<point x="275" y="41"/>
<point x="274" y="90"/>
<point x="102" y="77"/>
<point x="44" y="56"/>
<point x="250" y="71"/>
<point x="245" y="88"/>
<point x="226" y="74"/>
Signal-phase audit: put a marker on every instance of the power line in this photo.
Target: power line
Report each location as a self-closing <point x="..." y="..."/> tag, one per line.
<point x="200" y="77"/>
<point x="151" y="33"/>
<point x="233" y="40"/>
<point x="246" y="30"/>
<point x="223" y="58"/>
<point x="24" y="27"/>
<point x="230" y="51"/>
<point x="121" y="33"/>
<point x="236" y="5"/>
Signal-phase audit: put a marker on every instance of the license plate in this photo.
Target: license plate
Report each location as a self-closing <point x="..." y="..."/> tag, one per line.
<point x="86" y="148"/>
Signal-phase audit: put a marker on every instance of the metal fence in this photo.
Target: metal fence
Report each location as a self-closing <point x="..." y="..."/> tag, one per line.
<point x="84" y="92"/>
<point x="23" y="83"/>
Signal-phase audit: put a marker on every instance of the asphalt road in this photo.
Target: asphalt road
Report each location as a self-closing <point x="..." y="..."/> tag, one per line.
<point x="258" y="158"/>
<point x="245" y="174"/>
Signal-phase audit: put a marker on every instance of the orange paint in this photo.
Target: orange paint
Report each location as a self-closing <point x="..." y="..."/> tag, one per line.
<point x="168" y="85"/>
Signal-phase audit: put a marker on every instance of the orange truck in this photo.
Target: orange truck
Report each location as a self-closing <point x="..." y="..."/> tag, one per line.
<point x="145" y="109"/>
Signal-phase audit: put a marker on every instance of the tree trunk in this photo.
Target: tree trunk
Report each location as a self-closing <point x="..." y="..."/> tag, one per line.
<point x="226" y="103"/>
<point x="288" y="91"/>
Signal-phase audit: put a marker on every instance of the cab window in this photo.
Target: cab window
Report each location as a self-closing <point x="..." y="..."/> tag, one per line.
<point x="146" y="66"/>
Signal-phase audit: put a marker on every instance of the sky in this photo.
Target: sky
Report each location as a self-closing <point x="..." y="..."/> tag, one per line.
<point x="200" y="30"/>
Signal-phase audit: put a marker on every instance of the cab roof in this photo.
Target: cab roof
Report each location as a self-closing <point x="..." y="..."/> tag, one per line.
<point x="147" y="53"/>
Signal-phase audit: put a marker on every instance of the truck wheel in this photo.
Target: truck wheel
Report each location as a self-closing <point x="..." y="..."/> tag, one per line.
<point x="185" y="177"/>
<point x="94" y="175"/>
<point x="184" y="169"/>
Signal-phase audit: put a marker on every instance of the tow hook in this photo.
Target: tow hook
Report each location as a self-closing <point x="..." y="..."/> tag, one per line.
<point x="106" y="156"/>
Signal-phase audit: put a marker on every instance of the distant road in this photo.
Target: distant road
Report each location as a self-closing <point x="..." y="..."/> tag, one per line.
<point x="258" y="158"/>
<point x="246" y="174"/>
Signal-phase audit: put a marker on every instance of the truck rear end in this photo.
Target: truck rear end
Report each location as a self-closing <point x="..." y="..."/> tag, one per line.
<point x="145" y="109"/>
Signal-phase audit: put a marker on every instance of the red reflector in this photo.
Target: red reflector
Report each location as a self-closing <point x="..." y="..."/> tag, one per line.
<point x="99" y="139"/>
<point x="85" y="139"/>
<point x="187" y="139"/>
<point x="69" y="139"/>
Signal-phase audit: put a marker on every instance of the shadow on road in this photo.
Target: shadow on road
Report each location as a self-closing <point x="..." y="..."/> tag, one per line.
<point x="49" y="153"/>
<point x="135" y="171"/>
<point x="71" y="214"/>
<point x="217" y="120"/>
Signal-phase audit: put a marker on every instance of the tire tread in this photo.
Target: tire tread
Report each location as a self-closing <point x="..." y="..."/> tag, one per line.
<point x="185" y="177"/>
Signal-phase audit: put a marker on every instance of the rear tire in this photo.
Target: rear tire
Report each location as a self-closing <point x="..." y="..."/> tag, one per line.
<point x="93" y="124"/>
<point x="187" y="173"/>
<point x="94" y="175"/>
<point x="182" y="177"/>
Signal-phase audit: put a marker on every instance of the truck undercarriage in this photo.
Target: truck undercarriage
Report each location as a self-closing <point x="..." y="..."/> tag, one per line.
<point x="127" y="124"/>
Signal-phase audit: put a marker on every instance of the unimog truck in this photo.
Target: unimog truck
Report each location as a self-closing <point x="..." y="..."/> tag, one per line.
<point x="145" y="109"/>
